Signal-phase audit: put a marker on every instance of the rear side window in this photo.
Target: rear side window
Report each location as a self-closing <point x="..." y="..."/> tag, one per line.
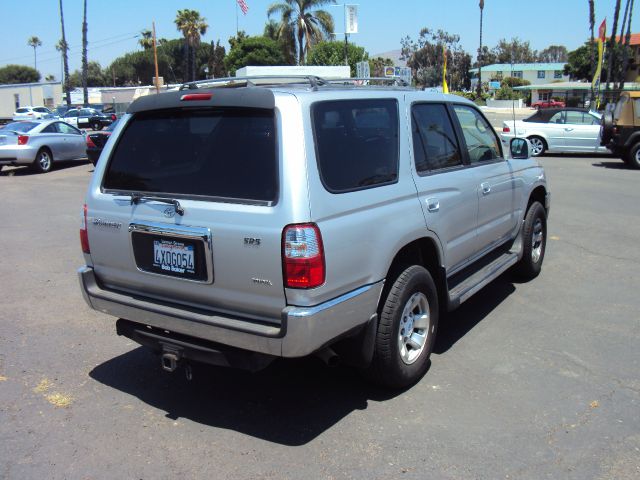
<point x="22" y="110"/>
<point x="20" y="127"/>
<point x="356" y="143"/>
<point x="224" y="154"/>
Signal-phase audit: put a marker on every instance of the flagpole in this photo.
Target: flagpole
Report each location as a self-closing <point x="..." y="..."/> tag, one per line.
<point x="236" y="19"/>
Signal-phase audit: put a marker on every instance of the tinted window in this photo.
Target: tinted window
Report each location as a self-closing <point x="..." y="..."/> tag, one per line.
<point x="356" y="143"/>
<point x="22" y="110"/>
<point x="20" y="127"/>
<point x="72" y="113"/>
<point x="482" y="142"/>
<point x="434" y="141"/>
<point x="49" y="129"/>
<point x="224" y="153"/>
<point x="41" y="110"/>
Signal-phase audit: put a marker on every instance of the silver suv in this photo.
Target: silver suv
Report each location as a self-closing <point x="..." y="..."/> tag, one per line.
<point x="236" y="225"/>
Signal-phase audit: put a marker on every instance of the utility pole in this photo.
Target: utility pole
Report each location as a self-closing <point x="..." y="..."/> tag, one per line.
<point x="155" y="57"/>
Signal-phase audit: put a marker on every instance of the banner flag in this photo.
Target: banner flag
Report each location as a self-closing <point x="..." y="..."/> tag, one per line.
<point x="445" y="87"/>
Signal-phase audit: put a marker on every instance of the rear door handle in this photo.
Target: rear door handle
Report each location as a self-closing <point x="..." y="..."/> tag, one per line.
<point x="486" y="188"/>
<point x="568" y="129"/>
<point x="433" y="205"/>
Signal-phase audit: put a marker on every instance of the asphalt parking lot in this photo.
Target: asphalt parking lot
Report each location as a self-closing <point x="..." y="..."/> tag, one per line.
<point x="528" y="381"/>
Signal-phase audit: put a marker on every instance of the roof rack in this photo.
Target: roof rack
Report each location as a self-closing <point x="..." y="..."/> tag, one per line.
<point x="346" y="81"/>
<point x="255" y="80"/>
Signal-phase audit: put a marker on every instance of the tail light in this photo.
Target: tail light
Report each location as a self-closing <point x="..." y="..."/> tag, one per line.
<point x="84" y="237"/>
<point x="506" y="129"/>
<point x="90" y="143"/>
<point x="302" y="256"/>
<point x="113" y="117"/>
<point x="23" y="139"/>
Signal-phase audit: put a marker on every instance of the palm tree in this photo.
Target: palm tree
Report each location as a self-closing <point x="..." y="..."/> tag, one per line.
<point x="192" y="26"/>
<point x="481" y="5"/>
<point x="85" y="63"/>
<point x="284" y="35"/>
<point x="309" y="27"/>
<point x="611" y="55"/>
<point x="146" y="39"/>
<point x="34" y="42"/>
<point x="627" y="40"/>
<point x="64" y="48"/>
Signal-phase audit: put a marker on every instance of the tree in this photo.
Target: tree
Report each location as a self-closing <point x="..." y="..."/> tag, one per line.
<point x="553" y="54"/>
<point x="514" y="51"/>
<point x="332" y="53"/>
<point x="95" y="76"/>
<point x="479" y="86"/>
<point x="578" y="65"/>
<point x="18" y="74"/>
<point x="309" y="27"/>
<point x="192" y="26"/>
<point x="627" y="40"/>
<point x="425" y="57"/>
<point x="253" y="51"/>
<point x="488" y="57"/>
<point x="592" y="22"/>
<point x="34" y="42"/>
<point x="376" y="66"/>
<point x="85" y="64"/>
<point x="611" y="54"/>
<point x="216" y="60"/>
<point x="63" y="46"/>
<point x="146" y="39"/>
<point x="50" y="78"/>
<point x="284" y="35"/>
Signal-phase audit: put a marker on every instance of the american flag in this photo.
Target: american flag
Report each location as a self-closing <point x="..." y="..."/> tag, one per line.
<point x="243" y="6"/>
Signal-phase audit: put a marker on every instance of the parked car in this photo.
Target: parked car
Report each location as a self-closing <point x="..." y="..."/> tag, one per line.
<point x="88" y="118"/>
<point x="32" y="113"/>
<point x="548" y="104"/>
<point x="237" y="225"/>
<point x="96" y="142"/>
<point x="40" y="143"/>
<point x="620" y="129"/>
<point x="573" y="130"/>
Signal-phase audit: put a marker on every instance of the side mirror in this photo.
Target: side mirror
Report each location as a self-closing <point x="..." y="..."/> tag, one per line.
<point x="519" y="148"/>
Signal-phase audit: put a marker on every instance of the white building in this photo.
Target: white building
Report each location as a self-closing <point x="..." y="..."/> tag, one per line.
<point x="14" y="96"/>
<point x="536" y="73"/>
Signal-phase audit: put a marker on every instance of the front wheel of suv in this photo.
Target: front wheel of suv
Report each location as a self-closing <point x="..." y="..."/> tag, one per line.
<point x="534" y="242"/>
<point x="633" y="157"/>
<point x="406" y="330"/>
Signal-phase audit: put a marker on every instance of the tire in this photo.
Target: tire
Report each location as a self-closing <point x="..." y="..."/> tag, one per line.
<point x="400" y="359"/>
<point x="633" y="157"/>
<point x="534" y="242"/>
<point x="538" y="146"/>
<point x="96" y="126"/>
<point x="43" y="161"/>
<point x="606" y="128"/>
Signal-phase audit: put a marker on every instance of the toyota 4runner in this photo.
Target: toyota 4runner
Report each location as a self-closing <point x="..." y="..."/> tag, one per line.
<point x="282" y="218"/>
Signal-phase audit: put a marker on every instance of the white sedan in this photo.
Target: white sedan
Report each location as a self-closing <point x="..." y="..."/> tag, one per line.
<point x="571" y="130"/>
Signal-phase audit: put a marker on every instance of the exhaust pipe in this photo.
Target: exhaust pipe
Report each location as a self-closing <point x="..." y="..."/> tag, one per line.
<point x="329" y="357"/>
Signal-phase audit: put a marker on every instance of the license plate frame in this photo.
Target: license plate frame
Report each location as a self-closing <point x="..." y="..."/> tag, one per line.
<point x="176" y="246"/>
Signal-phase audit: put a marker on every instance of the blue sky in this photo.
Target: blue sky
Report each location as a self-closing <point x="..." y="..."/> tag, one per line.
<point x="113" y="24"/>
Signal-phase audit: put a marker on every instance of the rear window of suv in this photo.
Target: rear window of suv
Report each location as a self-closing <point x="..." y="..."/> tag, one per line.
<point x="356" y="143"/>
<point x="222" y="154"/>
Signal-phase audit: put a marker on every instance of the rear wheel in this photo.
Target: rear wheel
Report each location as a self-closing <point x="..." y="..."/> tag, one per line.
<point x="43" y="161"/>
<point x="538" y="146"/>
<point x="534" y="242"/>
<point x="96" y="126"/>
<point x="633" y="157"/>
<point x="406" y="330"/>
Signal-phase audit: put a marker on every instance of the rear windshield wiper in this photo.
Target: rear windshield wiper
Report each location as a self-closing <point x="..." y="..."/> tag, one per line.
<point x="138" y="197"/>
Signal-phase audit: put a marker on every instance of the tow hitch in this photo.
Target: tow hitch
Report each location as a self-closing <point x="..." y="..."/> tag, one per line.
<point x="169" y="361"/>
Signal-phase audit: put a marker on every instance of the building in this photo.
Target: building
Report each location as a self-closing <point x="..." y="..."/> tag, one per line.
<point x="535" y="73"/>
<point x="14" y="96"/>
<point x="633" y="68"/>
<point x="574" y="94"/>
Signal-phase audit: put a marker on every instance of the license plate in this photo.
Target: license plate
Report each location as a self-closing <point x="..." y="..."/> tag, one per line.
<point x="174" y="256"/>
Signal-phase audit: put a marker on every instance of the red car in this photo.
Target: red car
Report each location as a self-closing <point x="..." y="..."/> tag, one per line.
<point x="547" y="104"/>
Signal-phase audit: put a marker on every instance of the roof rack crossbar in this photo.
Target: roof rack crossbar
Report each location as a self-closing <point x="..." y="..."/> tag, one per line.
<point x="313" y="80"/>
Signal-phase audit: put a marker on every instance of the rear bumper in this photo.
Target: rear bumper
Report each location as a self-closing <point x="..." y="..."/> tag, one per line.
<point x="303" y="330"/>
<point x="17" y="155"/>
